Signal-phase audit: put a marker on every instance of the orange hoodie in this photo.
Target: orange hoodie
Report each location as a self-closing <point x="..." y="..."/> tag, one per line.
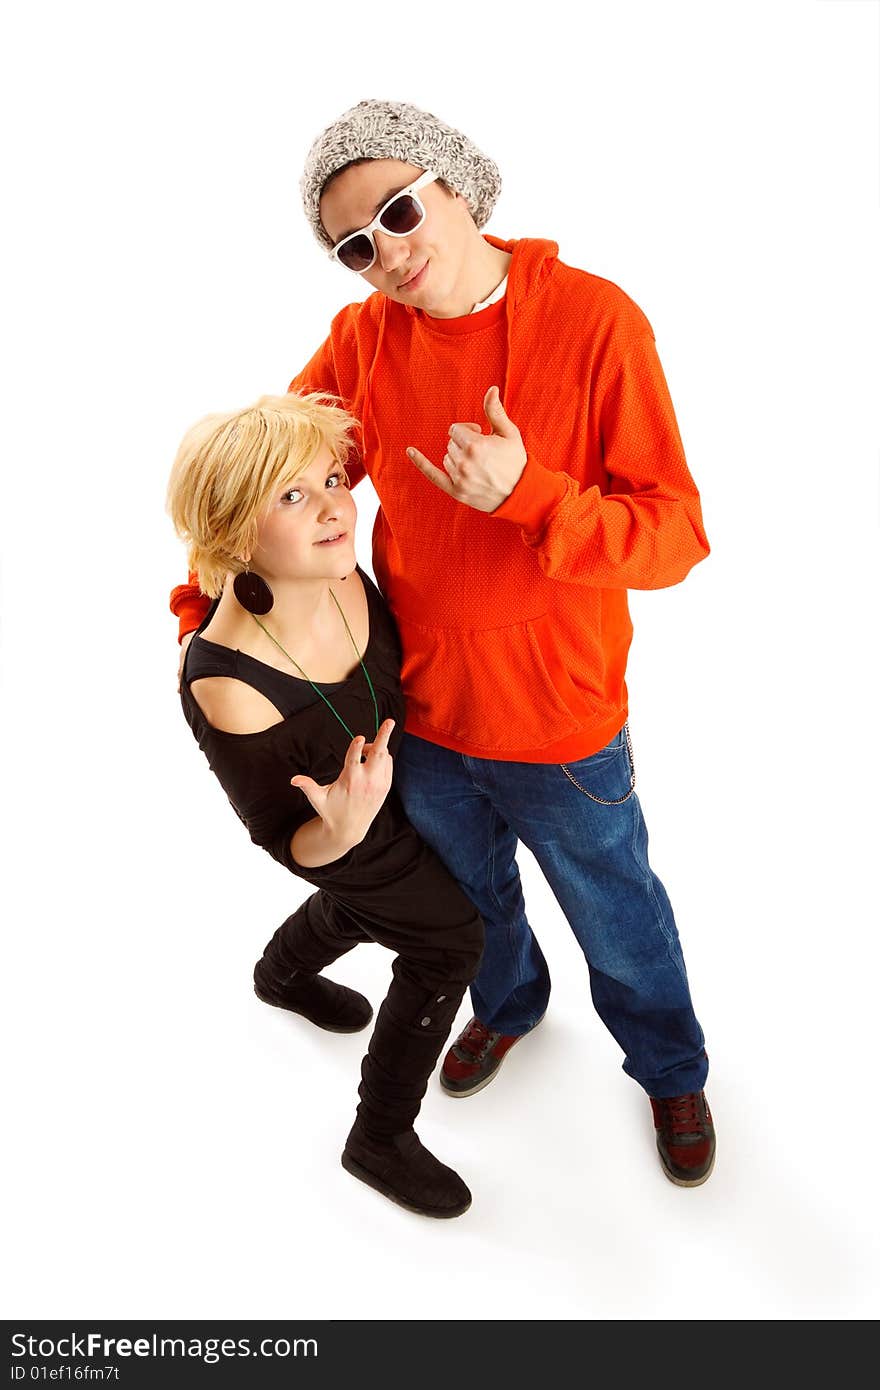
<point x="514" y="624"/>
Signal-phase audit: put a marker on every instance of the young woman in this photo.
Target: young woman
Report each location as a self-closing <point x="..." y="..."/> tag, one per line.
<point x="291" y="687"/>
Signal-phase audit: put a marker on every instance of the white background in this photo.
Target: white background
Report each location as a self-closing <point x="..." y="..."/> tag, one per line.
<point x="173" y="1145"/>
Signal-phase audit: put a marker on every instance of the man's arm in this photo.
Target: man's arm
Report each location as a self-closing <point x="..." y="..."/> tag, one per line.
<point x="334" y="359"/>
<point x="646" y="531"/>
<point x="189" y="605"/>
<point x="334" y="370"/>
<point x="643" y="531"/>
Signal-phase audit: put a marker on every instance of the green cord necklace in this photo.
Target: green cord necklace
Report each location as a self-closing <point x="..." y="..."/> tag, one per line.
<point x="312" y="683"/>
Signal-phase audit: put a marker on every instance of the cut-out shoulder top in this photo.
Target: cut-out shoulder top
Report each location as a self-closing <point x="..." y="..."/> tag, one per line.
<point x="255" y="769"/>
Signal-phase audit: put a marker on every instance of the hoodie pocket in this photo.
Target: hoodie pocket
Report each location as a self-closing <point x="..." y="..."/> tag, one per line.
<point x="498" y="689"/>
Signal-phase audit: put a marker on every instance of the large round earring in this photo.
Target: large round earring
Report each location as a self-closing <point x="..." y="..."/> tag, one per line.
<point x="253" y="593"/>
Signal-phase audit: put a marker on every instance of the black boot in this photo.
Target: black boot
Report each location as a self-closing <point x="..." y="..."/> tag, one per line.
<point x="382" y="1149"/>
<point x="400" y="1167"/>
<point x="321" y="1001"/>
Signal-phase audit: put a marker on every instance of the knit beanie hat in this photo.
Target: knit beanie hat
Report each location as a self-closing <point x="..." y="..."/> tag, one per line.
<point x="396" y="130"/>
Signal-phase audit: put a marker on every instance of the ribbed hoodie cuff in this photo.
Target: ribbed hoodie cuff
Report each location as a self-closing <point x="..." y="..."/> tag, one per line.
<point x="536" y="495"/>
<point x="189" y="614"/>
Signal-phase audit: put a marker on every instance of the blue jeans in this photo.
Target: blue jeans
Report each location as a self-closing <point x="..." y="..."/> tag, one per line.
<point x="584" y="825"/>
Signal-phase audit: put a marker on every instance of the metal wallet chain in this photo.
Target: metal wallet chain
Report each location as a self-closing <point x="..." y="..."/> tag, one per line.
<point x="632" y="776"/>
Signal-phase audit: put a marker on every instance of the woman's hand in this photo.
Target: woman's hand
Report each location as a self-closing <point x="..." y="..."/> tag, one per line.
<point x="348" y="806"/>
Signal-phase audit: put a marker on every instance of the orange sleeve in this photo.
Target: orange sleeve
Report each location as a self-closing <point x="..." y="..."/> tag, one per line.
<point x="646" y="530"/>
<point x="189" y="605"/>
<point x="334" y="370"/>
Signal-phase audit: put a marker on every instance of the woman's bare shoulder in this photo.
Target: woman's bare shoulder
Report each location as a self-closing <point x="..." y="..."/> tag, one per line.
<point x="232" y="706"/>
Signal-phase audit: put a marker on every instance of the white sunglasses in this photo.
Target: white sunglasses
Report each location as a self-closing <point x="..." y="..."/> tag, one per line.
<point x="402" y="214"/>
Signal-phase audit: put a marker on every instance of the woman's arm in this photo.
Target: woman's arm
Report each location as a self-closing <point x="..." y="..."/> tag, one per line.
<point x="313" y="845"/>
<point x="347" y="807"/>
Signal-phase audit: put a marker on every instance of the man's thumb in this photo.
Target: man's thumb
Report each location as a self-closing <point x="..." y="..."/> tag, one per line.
<point x="495" y="412"/>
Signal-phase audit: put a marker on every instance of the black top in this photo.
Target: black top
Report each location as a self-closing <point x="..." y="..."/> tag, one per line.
<point x="392" y="884"/>
<point x="287" y="692"/>
<point x="255" y="769"/>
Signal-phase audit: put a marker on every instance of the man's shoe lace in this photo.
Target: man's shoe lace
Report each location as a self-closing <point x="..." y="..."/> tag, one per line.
<point x="684" y="1114"/>
<point x="475" y="1042"/>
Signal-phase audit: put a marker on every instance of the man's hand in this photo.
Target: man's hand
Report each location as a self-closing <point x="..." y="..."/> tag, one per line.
<point x="184" y="643"/>
<point x="348" y="806"/>
<point x="481" y="470"/>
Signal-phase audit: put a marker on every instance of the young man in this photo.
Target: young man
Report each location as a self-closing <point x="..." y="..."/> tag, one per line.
<point x="518" y="430"/>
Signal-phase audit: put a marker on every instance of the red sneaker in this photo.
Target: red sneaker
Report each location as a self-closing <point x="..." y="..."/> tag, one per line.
<point x="474" y="1058"/>
<point x="685" y="1137"/>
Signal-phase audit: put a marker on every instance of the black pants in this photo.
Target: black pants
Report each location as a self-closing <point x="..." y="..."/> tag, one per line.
<point x="417" y="910"/>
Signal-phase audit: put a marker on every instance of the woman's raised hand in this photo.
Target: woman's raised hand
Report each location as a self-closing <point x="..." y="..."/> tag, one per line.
<point x="348" y="806"/>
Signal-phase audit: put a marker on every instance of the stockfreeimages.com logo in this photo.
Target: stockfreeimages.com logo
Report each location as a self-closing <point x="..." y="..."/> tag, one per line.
<point x="95" y="1346"/>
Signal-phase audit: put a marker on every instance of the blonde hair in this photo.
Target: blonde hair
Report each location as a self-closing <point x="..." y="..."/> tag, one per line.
<point x="228" y="468"/>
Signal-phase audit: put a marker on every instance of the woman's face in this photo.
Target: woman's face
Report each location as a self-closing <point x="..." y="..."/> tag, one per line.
<point x="307" y="531"/>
